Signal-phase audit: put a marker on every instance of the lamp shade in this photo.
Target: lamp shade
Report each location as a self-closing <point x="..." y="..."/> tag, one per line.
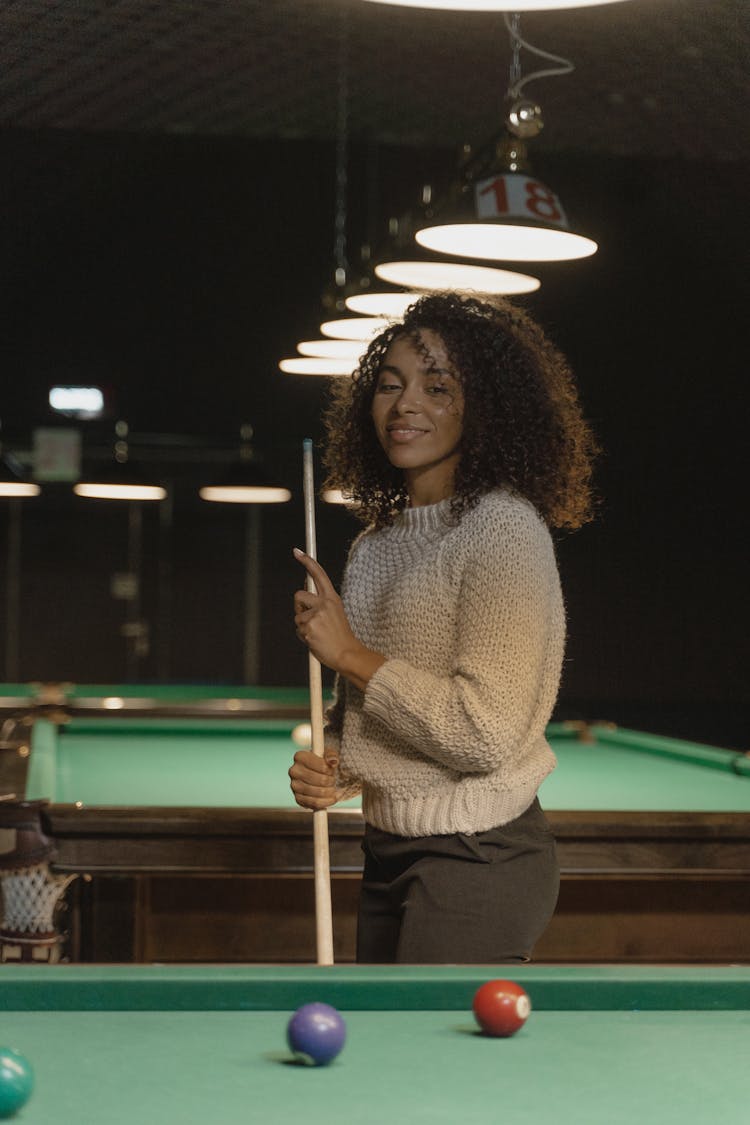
<point x="13" y="482"/>
<point x="236" y="494"/>
<point x="505" y="216"/>
<point x="118" y="481"/>
<point x="382" y="304"/>
<point x="244" y="483"/>
<point x="354" y="327"/>
<point x="495" y="5"/>
<point x="317" y="365"/>
<point x="337" y="497"/>
<point x="18" y="488"/>
<point x="333" y="349"/>
<point x="461" y="276"/>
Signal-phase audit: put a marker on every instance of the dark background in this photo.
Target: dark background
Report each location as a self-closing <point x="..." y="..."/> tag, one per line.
<point x="178" y="271"/>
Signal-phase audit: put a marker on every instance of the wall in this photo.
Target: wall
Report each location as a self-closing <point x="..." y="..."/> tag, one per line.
<point x="180" y="270"/>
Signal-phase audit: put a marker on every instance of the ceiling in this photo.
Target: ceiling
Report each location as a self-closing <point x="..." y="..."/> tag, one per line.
<point x="652" y="77"/>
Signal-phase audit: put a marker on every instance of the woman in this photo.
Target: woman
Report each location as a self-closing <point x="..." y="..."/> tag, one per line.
<point x="461" y="439"/>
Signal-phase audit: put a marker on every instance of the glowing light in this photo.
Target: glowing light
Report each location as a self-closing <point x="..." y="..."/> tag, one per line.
<point x="507" y="241"/>
<point x="18" y="488"/>
<point x="457" y="276"/>
<point x="355" y="327"/>
<point x="495" y="5"/>
<point x="336" y="496"/>
<point x="316" y="365"/>
<point x="382" y="304"/>
<point x="84" y="402"/>
<point x="333" y="349"/>
<point x="244" y="494"/>
<point x="95" y="491"/>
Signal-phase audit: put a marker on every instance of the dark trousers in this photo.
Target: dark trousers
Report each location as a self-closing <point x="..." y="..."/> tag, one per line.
<point x="458" y="899"/>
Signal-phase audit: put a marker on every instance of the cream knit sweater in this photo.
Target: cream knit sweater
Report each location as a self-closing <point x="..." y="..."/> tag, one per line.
<point x="449" y="734"/>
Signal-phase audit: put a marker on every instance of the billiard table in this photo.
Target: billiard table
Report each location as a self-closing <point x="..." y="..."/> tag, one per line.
<point x="191" y="1045"/>
<point x="176" y="700"/>
<point x="191" y="847"/>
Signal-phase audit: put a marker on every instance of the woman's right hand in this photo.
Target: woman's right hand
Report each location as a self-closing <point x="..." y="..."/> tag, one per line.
<point x="313" y="779"/>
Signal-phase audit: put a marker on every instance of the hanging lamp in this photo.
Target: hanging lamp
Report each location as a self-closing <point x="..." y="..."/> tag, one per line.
<point x="498" y="210"/>
<point x="120" y="478"/>
<point x="245" y="481"/>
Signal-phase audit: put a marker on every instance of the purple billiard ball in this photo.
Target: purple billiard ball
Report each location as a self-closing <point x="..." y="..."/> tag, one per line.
<point x="316" y="1033"/>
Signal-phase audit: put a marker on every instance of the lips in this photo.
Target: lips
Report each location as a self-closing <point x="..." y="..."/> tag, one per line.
<point x="403" y="434"/>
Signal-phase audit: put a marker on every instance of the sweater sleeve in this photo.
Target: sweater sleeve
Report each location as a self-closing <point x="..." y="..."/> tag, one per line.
<point x="477" y="718"/>
<point x="334" y="715"/>
<point x="346" y="786"/>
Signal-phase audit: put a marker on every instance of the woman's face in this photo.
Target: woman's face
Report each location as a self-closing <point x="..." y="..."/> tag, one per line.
<point x="417" y="410"/>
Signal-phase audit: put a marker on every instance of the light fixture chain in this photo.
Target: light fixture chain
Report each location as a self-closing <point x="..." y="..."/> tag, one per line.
<point x="516" y="83"/>
<point x="342" y="142"/>
<point x="514" y="76"/>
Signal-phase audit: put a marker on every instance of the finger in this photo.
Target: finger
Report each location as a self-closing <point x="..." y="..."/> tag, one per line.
<point x="323" y="794"/>
<point x="314" y="804"/>
<point x="319" y="792"/>
<point x="322" y="582"/>
<point x="308" y="782"/>
<point x="305" y="599"/>
<point x="312" y="763"/>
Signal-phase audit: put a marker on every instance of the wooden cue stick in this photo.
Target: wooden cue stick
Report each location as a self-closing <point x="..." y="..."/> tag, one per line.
<point x="323" y="911"/>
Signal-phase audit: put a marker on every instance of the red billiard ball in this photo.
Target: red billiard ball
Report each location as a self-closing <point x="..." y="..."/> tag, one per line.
<point x="501" y="1007"/>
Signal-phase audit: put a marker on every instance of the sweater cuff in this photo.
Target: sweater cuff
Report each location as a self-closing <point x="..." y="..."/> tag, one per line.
<point x="381" y="692"/>
<point x="346" y="790"/>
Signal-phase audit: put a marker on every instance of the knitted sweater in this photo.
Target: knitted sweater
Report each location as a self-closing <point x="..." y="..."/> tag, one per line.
<point x="449" y="734"/>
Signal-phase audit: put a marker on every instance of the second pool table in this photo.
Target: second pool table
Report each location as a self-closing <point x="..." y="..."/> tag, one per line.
<point x="195" y="850"/>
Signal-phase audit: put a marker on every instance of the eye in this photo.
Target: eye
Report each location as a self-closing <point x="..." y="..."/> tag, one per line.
<point x="438" y="389"/>
<point x="386" y="385"/>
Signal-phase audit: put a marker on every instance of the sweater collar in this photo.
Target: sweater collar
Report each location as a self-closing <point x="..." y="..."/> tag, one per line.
<point x="431" y="520"/>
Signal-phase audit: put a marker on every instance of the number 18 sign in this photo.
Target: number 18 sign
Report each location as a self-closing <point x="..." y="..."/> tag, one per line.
<point x="514" y="196"/>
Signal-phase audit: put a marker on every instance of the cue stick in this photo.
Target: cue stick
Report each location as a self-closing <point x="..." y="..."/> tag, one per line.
<point x="323" y="914"/>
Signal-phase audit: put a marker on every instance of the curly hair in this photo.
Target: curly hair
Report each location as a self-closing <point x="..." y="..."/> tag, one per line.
<point x="522" y="427"/>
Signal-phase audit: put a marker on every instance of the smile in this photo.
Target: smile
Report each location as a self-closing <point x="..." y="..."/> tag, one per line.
<point x="403" y="433"/>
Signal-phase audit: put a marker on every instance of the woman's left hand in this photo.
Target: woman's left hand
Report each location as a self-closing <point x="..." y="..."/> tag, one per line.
<point x="322" y="624"/>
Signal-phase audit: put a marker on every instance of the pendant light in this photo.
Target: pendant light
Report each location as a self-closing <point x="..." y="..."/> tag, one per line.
<point x="332" y="349"/>
<point x="120" y="479"/>
<point x="405" y="263"/>
<point x="13" y="482"/>
<point x="337" y="359"/>
<point x="244" y="482"/>
<point x="498" y="210"/>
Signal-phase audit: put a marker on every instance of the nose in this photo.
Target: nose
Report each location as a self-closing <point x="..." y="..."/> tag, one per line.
<point x="407" y="402"/>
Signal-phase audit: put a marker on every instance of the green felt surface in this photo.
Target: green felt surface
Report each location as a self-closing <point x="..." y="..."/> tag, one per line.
<point x="231" y="1069"/>
<point x="614" y="773"/>
<point x="244" y="763"/>
<point x="670" y="1066"/>
<point x="175" y="762"/>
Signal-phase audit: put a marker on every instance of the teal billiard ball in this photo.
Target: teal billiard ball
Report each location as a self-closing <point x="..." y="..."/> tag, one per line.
<point x="16" y="1081"/>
